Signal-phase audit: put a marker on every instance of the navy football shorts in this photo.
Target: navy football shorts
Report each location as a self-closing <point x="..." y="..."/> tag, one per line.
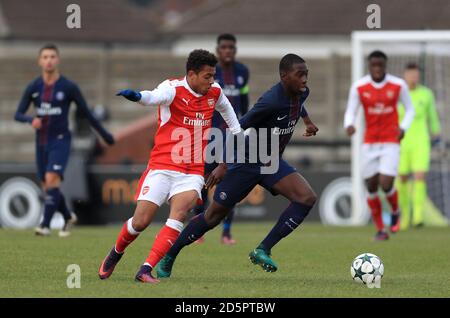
<point x="53" y="156"/>
<point x="241" y="178"/>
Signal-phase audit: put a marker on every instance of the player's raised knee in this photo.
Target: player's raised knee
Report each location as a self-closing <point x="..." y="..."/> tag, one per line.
<point x="310" y="198"/>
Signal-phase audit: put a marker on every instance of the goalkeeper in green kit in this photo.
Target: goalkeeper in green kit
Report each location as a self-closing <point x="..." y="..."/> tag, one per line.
<point x="415" y="149"/>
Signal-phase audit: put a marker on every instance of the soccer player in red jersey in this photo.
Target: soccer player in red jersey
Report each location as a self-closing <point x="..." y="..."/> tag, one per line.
<point x="176" y="166"/>
<point x="379" y="93"/>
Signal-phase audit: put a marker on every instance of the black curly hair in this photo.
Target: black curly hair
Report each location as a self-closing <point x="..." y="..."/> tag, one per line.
<point x="199" y="58"/>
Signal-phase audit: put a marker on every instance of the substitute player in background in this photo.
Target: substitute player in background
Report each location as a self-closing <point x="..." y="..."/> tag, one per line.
<point x="233" y="77"/>
<point x="174" y="172"/>
<point x="51" y="93"/>
<point x="277" y="111"/>
<point x="379" y="94"/>
<point x="416" y="147"/>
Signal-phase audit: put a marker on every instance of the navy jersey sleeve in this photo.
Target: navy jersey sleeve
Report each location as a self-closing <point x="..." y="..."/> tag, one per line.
<point x="244" y="92"/>
<point x="78" y="98"/>
<point x="258" y="113"/>
<point x="24" y="104"/>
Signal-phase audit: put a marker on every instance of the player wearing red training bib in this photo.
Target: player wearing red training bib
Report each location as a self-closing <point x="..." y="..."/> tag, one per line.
<point x="174" y="173"/>
<point x="379" y="94"/>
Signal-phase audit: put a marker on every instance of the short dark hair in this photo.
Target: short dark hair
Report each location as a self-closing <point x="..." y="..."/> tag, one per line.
<point x="49" y="46"/>
<point x="288" y="61"/>
<point x="377" y="54"/>
<point x="412" y="66"/>
<point x="199" y="58"/>
<point x="226" y="37"/>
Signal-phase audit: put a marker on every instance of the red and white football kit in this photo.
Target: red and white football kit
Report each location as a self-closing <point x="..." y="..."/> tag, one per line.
<point x="184" y="117"/>
<point x="381" y="148"/>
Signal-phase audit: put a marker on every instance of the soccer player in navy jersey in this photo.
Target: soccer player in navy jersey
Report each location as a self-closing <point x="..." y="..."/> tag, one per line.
<point x="233" y="77"/>
<point x="278" y="110"/>
<point x="51" y="94"/>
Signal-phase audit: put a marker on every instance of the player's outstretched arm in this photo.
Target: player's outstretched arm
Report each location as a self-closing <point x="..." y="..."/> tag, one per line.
<point x="163" y="95"/>
<point x="82" y="105"/>
<point x="130" y="95"/>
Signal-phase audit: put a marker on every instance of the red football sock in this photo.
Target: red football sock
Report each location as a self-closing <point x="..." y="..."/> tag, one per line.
<point x="374" y="203"/>
<point x="164" y="241"/>
<point x="392" y="198"/>
<point x="125" y="237"/>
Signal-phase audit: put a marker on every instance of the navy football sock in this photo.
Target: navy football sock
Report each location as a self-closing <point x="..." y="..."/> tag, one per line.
<point x="52" y="198"/>
<point x="192" y="232"/>
<point x="62" y="207"/>
<point x="227" y="224"/>
<point x="288" y="221"/>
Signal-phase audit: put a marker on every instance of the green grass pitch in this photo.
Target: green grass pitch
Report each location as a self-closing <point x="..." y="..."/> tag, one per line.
<point x="313" y="262"/>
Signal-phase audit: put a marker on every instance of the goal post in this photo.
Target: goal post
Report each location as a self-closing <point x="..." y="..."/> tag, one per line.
<point x="403" y="45"/>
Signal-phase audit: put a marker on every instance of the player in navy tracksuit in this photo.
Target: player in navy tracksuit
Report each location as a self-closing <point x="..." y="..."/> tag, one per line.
<point x="233" y="77"/>
<point x="52" y="95"/>
<point x="278" y="110"/>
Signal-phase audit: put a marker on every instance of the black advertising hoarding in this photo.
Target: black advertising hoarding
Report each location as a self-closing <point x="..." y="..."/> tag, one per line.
<point x="112" y="197"/>
<point x="104" y="194"/>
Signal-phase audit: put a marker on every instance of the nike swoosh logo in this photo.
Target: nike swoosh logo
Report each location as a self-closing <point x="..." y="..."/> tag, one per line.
<point x="278" y="118"/>
<point x="170" y="242"/>
<point x="101" y="271"/>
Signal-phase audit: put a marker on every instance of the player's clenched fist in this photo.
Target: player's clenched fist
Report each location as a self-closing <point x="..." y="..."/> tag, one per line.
<point x="350" y="130"/>
<point x="130" y="95"/>
<point x="216" y="175"/>
<point x="311" y="130"/>
<point x="36" y="123"/>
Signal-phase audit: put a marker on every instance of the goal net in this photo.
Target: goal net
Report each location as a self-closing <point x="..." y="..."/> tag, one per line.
<point x="431" y="51"/>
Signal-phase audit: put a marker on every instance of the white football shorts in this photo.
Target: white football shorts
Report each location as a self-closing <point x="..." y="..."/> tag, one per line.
<point x="158" y="186"/>
<point x="380" y="158"/>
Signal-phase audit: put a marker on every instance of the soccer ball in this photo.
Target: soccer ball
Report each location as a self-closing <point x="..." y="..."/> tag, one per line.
<point x="367" y="268"/>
